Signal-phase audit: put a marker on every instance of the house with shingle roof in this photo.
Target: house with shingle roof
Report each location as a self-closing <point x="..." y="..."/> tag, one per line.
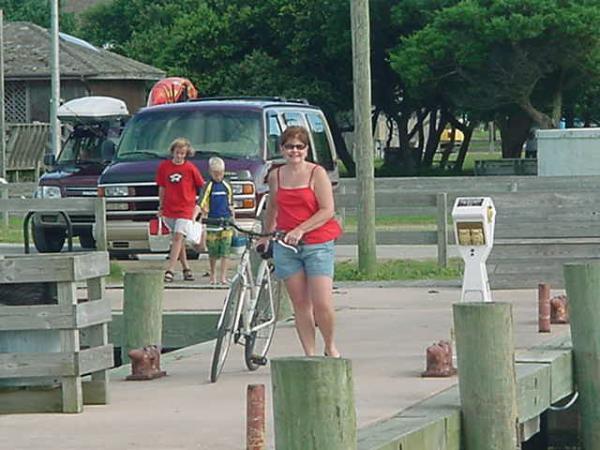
<point x="84" y="70"/>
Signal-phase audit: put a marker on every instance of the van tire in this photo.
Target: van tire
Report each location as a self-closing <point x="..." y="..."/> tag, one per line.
<point x="48" y="241"/>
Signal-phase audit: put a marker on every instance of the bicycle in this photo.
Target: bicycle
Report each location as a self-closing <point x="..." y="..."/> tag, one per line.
<point x="249" y="313"/>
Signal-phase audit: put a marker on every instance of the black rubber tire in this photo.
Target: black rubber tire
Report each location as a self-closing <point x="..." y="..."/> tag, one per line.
<point x="226" y="329"/>
<point x="87" y="241"/>
<point x="258" y="343"/>
<point x="48" y="240"/>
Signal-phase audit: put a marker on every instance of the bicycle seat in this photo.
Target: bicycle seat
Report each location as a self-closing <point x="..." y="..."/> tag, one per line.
<point x="265" y="253"/>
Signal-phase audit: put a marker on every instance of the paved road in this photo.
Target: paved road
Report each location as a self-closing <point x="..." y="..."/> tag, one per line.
<point x="383" y="331"/>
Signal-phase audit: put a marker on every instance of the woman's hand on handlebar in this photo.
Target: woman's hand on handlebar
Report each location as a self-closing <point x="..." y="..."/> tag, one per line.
<point x="294" y="237"/>
<point x="262" y="244"/>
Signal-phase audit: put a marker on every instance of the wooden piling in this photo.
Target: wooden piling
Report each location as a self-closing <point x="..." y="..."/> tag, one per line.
<point x="583" y="290"/>
<point x="142" y="310"/>
<point x="313" y="403"/>
<point x="486" y="374"/>
<point x="255" y="417"/>
<point x="544" y="308"/>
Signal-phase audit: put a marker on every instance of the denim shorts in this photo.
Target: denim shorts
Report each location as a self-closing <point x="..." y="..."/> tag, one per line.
<point x="313" y="259"/>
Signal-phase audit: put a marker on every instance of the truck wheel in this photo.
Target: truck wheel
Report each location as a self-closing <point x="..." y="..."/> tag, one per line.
<point x="86" y="240"/>
<point x="48" y="241"/>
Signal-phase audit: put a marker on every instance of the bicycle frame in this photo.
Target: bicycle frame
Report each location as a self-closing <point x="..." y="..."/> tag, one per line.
<point x="249" y="295"/>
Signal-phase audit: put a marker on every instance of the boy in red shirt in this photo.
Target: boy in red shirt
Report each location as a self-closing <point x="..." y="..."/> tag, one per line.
<point x="178" y="184"/>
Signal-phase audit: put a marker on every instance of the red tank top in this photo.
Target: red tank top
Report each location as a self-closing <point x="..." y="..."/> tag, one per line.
<point x="296" y="205"/>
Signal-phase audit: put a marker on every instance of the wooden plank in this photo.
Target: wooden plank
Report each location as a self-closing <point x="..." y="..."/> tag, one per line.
<point x="72" y="395"/>
<point x="34" y="364"/>
<point x="95" y="288"/>
<point x="93" y="313"/>
<point x="98" y="392"/>
<point x="36" y="317"/>
<point x="428" y="212"/>
<point x="389" y="199"/>
<point x="533" y="390"/>
<point x="90" y="265"/>
<point x="100" y="225"/>
<point x="49" y="205"/>
<point x="561" y="369"/>
<point x="30" y="269"/>
<point x="395" y="238"/>
<point x="95" y="359"/>
<point x="31" y="400"/>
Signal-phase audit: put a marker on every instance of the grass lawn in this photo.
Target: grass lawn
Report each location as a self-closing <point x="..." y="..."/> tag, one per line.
<point x="13" y="234"/>
<point x="401" y="269"/>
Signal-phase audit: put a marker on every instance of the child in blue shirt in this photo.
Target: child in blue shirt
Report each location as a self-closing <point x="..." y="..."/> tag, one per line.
<point x="217" y="202"/>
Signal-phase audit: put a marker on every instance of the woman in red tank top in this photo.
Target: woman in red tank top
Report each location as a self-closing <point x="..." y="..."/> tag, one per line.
<point x="301" y="204"/>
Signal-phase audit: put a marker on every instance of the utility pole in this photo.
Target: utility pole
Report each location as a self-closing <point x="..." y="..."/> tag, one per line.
<point x="363" y="139"/>
<point x="2" y="119"/>
<point x="55" y="77"/>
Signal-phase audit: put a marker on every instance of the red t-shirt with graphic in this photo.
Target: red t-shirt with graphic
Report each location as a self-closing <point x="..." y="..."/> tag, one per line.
<point x="181" y="183"/>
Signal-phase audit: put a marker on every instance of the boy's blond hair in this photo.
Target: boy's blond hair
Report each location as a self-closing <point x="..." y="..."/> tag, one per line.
<point x="216" y="164"/>
<point x="183" y="143"/>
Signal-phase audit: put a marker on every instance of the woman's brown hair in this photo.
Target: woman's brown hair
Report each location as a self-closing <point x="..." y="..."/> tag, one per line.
<point x="296" y="132"/>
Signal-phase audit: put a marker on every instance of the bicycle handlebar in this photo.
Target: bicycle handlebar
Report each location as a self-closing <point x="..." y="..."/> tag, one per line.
<point x="225" y="222"/>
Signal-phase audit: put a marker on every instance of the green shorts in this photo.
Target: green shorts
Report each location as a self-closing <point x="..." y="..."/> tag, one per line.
<point x="218" y="243"/>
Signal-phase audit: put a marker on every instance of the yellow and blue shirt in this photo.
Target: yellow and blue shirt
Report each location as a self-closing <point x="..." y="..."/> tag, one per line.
<point x="217" y="199"/>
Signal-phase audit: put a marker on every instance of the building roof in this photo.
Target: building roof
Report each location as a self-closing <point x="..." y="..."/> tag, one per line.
<point x="27" y="56"/>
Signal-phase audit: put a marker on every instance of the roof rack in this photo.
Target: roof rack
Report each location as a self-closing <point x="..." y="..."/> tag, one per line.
<point x="251" y="98"/>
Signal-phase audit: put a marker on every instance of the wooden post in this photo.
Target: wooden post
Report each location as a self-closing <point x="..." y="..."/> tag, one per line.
<point x="442" y="229"/>
<point x="544" y="308"/>
<point x="363" y="137"/>
<point x="255" y="417"/>
<point x="5" y="214"/>
<point x="142" y="310"/>
<point x="313" y="403"/>
<point x="583" y="288"/>
<point x="72" y="393"/>
<point x="486" y="375"/>
<point x="100" y="234"/>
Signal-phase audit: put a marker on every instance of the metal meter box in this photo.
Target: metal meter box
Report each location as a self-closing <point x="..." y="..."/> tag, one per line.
<point x="474" y="219"/>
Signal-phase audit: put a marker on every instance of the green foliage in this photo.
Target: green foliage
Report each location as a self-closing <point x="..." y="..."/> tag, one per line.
<point x="36" y="11"/>
<point x="486" y="55"/>
<point x="400" y="269"/>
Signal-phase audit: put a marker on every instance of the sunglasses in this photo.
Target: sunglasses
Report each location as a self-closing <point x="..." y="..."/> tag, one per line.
<point x="294" y="146"/>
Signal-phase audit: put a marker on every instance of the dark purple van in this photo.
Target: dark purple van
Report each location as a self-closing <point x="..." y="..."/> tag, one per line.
<point x="243" y="131"/>
<point x="95" y="124"/>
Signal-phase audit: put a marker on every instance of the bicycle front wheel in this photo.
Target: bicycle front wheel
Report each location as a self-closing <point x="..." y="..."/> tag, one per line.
<point x="226" y="328"/>
<point x="264" y="319"/>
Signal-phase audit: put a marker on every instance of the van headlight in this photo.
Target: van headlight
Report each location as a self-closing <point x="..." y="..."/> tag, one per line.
<point x="116" y="191"/>
<point x="242" y="188"/>
<point x="47" y="192"/>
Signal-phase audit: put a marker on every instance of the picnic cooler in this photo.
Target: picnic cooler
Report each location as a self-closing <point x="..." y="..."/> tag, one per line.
<point x="159" y="235"/>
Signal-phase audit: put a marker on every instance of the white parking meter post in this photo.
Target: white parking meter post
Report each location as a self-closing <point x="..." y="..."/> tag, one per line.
<point x="474" y="219"/>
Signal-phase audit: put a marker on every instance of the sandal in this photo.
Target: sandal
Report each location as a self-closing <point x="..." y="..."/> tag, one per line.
<point x="188" y="275"/>
<point x="169" y="276"/>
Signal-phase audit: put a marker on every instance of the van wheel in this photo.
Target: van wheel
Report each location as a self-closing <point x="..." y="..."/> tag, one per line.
<point x="48" y="241"/>
<point x="86" y="240"/>
<point x="191" y="254"/>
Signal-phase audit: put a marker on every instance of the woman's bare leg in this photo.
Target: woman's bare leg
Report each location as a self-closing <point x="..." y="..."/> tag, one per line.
<point x="303" y="311"/>
<point x="176" y="245"/>
<point x="320" y="291"/>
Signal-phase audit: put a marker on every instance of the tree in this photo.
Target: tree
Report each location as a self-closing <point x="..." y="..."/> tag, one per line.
<point x="504" y="57"/>
<point x="36" y="11"/>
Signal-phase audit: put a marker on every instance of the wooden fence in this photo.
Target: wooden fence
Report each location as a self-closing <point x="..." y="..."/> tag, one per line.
<point x="25" y="147"/>
<point x="541" y="223"/>
<point x="60" y="320"/>
<point x="94" y="206"/>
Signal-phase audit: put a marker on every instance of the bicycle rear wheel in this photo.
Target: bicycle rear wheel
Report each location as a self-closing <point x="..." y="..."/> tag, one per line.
<point x="265" y="315"/>
<point x="226" y="328"/>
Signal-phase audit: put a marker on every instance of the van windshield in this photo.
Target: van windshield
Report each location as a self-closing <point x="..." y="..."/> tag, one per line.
<point x="230" y="134"/>
<point x="88" y="143"/>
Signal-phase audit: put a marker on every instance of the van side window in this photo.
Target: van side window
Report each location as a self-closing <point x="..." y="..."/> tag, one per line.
<point x="273" y="135"/>
<point x="293" y="119"/>
<point x="322" y="147"/>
